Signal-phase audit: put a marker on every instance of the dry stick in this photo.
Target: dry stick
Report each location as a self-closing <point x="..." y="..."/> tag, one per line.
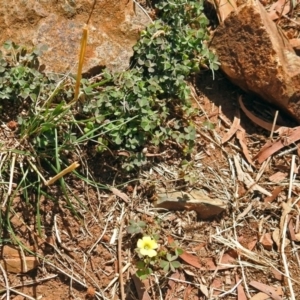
<point x="231" y="290"/>
<point x="239" y="259"/>
<point x="143" y="10"/>
<point x="6" y="283"/>
<point x="73" y="278"/>
<point x="293" y="21"/>
<point x="286" y="268"/>
<point x="67" y="170"/>
<point x="262" y="169"/>
<point x="158" y="286"/>
<point x="56" y="230"/>
<point x="120" y="260"/>
<point x="82" y="54"/>
<point x="117" y="277"/>
<point x="37" y="171"/>
<point x="32" y="282"/>
<point x="99" y="239"/>
<point x="23" y="259"/>
<point x="22" y="294"/>
<point x="287" y="151"/>
<point x="274" y="124"/>
<point x="80" y="63"/>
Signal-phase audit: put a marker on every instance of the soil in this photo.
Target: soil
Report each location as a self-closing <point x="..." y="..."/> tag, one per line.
<point x="80" y="252"/>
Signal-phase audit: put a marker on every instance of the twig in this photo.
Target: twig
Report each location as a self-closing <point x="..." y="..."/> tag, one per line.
<point x="56" y="230"/>
<point x="22" y="294"/>
<point x="262" y="169"/>
<point x="291" y="20"/>
<point x="285" y="264"/>
<point x="158" y="287"/>
<point x="6" y="283"/>
<point x="287" y="151"/>
<point x="274" y="124"/>
<point x="239" y="257"/>
<point x="143" y="10"/>
<point x="99" y="239"/>
<point x="67" y="170"/>
<point x="73" y="278"/>
<point x="116" y="278"/>
<point x="231" y="290"/>
<point x="37" y="171"/>
<point x="120" y="259"/>
<point x="31" y="282"/>
<point x="23" y="259"/>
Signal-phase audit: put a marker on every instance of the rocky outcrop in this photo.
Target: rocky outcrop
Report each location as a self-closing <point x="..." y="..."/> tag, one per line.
<point x="113" y="30"/>
<point x="256" y="56"/>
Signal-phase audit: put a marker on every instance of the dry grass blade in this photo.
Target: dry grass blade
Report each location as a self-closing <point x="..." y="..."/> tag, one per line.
<point x="120" y="259"/>
<point x="120" y="194"/>
<point x="231" y="290"/>
<point x="261" y="262"/>
<point x="6" y="283"/>
<point x="247" y="180"/>
<point x="283" y="227"/>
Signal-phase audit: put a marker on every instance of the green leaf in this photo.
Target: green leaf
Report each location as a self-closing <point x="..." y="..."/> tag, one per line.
<point x="209" y="125"/>
<point x="175" y="264"/>
<point x="144" y="274"/>
<point x="135" y="227"/>
<point x="165" y="265"/>
<point x="140" y="265"/>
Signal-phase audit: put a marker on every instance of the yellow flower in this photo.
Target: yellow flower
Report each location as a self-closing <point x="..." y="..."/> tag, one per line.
<point x="146" y="246"/>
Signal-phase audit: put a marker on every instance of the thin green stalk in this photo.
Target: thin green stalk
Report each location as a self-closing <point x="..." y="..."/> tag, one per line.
<point x="61" y="180"/>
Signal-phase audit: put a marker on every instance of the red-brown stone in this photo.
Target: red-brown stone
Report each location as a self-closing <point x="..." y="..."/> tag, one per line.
<point x="113" y="30"/>
<point x="256" y="56"/>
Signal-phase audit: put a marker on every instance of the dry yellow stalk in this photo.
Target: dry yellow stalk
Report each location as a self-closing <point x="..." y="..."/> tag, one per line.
<point x="67" y="170"/>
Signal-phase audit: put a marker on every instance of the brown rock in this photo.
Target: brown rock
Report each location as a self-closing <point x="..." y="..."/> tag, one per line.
<point x="266" y="241"/>
<point x="113" y="30"/>
<point x="256" y="56"/>
<point x="14" y="262"/>
<point x="204" y="206"/>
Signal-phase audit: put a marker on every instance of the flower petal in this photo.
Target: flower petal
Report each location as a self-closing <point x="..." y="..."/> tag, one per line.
<point x="147" y="239"/>
<point x="140" y="244"/>
<point x="153" y="244"/>
<point x="144" y="252"/>
<point x="151" y="253"/>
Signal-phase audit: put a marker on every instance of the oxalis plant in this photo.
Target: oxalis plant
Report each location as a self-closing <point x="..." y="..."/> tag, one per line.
<point x="152" y="256"/>
<point x="150" y="102"/>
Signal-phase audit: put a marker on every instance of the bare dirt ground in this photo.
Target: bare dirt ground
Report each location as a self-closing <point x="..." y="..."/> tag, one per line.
<point x="236" y="255"/>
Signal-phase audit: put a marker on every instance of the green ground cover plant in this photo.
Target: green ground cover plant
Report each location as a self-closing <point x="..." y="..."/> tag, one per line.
<point x="149" y="104"/>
